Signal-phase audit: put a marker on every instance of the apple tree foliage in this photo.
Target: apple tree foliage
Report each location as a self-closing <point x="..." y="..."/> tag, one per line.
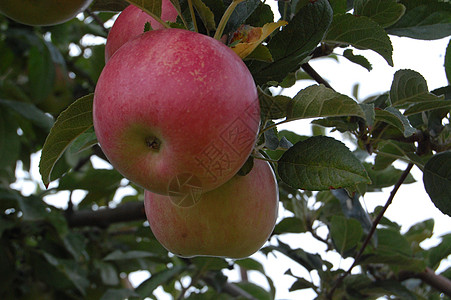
<point x="86" y="249"/>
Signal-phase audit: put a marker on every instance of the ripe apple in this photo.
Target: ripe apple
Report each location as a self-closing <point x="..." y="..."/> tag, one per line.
<point x="43" y="12"/>
<point x="130" y="23"/>
<point x="176" y="111"/>
<point x="234" y="220"/>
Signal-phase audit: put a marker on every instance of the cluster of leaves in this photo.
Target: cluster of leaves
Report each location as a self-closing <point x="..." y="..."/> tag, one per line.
<point x="89" y="249"/>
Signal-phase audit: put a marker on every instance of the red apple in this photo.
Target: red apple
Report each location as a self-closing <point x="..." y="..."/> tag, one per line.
<point x="130" y="23"/>
<point x="234" y="220"/>
<point x="42" y="12"/>
<point x="176" y="110"/>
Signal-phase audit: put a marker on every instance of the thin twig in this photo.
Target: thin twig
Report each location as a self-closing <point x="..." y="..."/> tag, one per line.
<point x="312" y="73"/>
<point x="373" y="229"/>
<point x="97" y="20"/>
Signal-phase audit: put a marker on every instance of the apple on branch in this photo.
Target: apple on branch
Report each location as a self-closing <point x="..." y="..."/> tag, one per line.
<point x="234" y="220"/>
<point x="43" y="12"/>
<point x="131" y="22"/>
<point x="175" y="109"/>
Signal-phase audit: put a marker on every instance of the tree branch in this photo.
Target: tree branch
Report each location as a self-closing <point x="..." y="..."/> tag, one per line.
<point x="440" y="283"/>
<point x="228" y="288"/>
<point x="312" y="73"/>
<point x="373" y="229"/>
<point x="131" y="211"/>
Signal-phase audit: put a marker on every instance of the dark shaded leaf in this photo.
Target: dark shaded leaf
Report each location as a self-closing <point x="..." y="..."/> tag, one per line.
<point x="409" y="87"/>
<point x="357" y="59"/>
<point x="294" y="43"/>
<point x="345" y="233"/>
<point x="394" y="117"/>
<point x="9" y="140"/>
<point x="148" y="286"/>
<point x="30" y="112"/>
<point x="290" y="225"/>
<point x="384" y="12"/>
<point x="272" y="107"/>
<point x="362" y="33"/>
<point x="437" y="181"/>
<point x="439" y="252"/>
<point x="424" y="19"/>
<point x="109" y="5"/>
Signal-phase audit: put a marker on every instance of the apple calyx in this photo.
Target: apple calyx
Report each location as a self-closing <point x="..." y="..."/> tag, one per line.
<point x="153" y="143"/>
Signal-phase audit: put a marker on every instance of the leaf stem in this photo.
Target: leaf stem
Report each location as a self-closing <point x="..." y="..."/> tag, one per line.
<point x="193" y="15"/>
<point x="225" y="18"/>
<point x="376" y="221"/>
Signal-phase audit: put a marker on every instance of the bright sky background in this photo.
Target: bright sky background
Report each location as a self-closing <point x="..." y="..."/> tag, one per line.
<point x="411" y="204"/>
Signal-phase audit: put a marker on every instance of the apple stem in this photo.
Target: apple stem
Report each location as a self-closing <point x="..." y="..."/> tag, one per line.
<point x="193" y="16"/>
<point x="225" y="18"/>
<point x="153" y="143"/>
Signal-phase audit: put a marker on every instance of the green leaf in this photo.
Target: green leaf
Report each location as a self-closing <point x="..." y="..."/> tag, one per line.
<point x="420" y="231"/>
<point x="32" y="208"/>
<point x="250" y="264"/>
<point x="390" y="242"/>
<point x="205" y="15"/>
<point x="71" y="123"/>
<point x="108" y="273"/>
<point x="448" y="62"/>
<point x="311" y="165"/>
<point x="118" y="294"/>
<point x="357" y="59"/>
<point x="91" y="180"/>
<point x="262" y="15"/>
<point x="29" y="112"/>
<point x="393" y="287"/>
<point x="71" y="270"/>
<point x="152" y="7"/>
<point x="440" y="252"/>
<point x="84" y="141"/>
<point x="307" y="260"/>
<point x="368" y="110"/>
<point x="439" y="103"/>
<point x="260" y="53"/>
<point x="41" y="72"/>
<point x="290" y="225"/>
<point x="257" y="291"/>
<point x="394" y="117"/>
<point x="9" y="140"/>
<point x="240" y="14"/>
<point x="409" y="87"/>
<point x="345" y="233"/>
<point x="133" y="254"/>
<point x="341" y="124"/>
<point x="291" y="46"/>
<point x="319" y="101"/>
<point x="272" y="107"/>
<point x="109" y="5"/>
<point x="148" y="286"/>
<point x="424" y="19"/>
<point x="389" y="151"/>
<point x="361" y="33"/>
<point x="437" y="181"/>
<point x="386" y="177"/>
<point x="384" y="12"/>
